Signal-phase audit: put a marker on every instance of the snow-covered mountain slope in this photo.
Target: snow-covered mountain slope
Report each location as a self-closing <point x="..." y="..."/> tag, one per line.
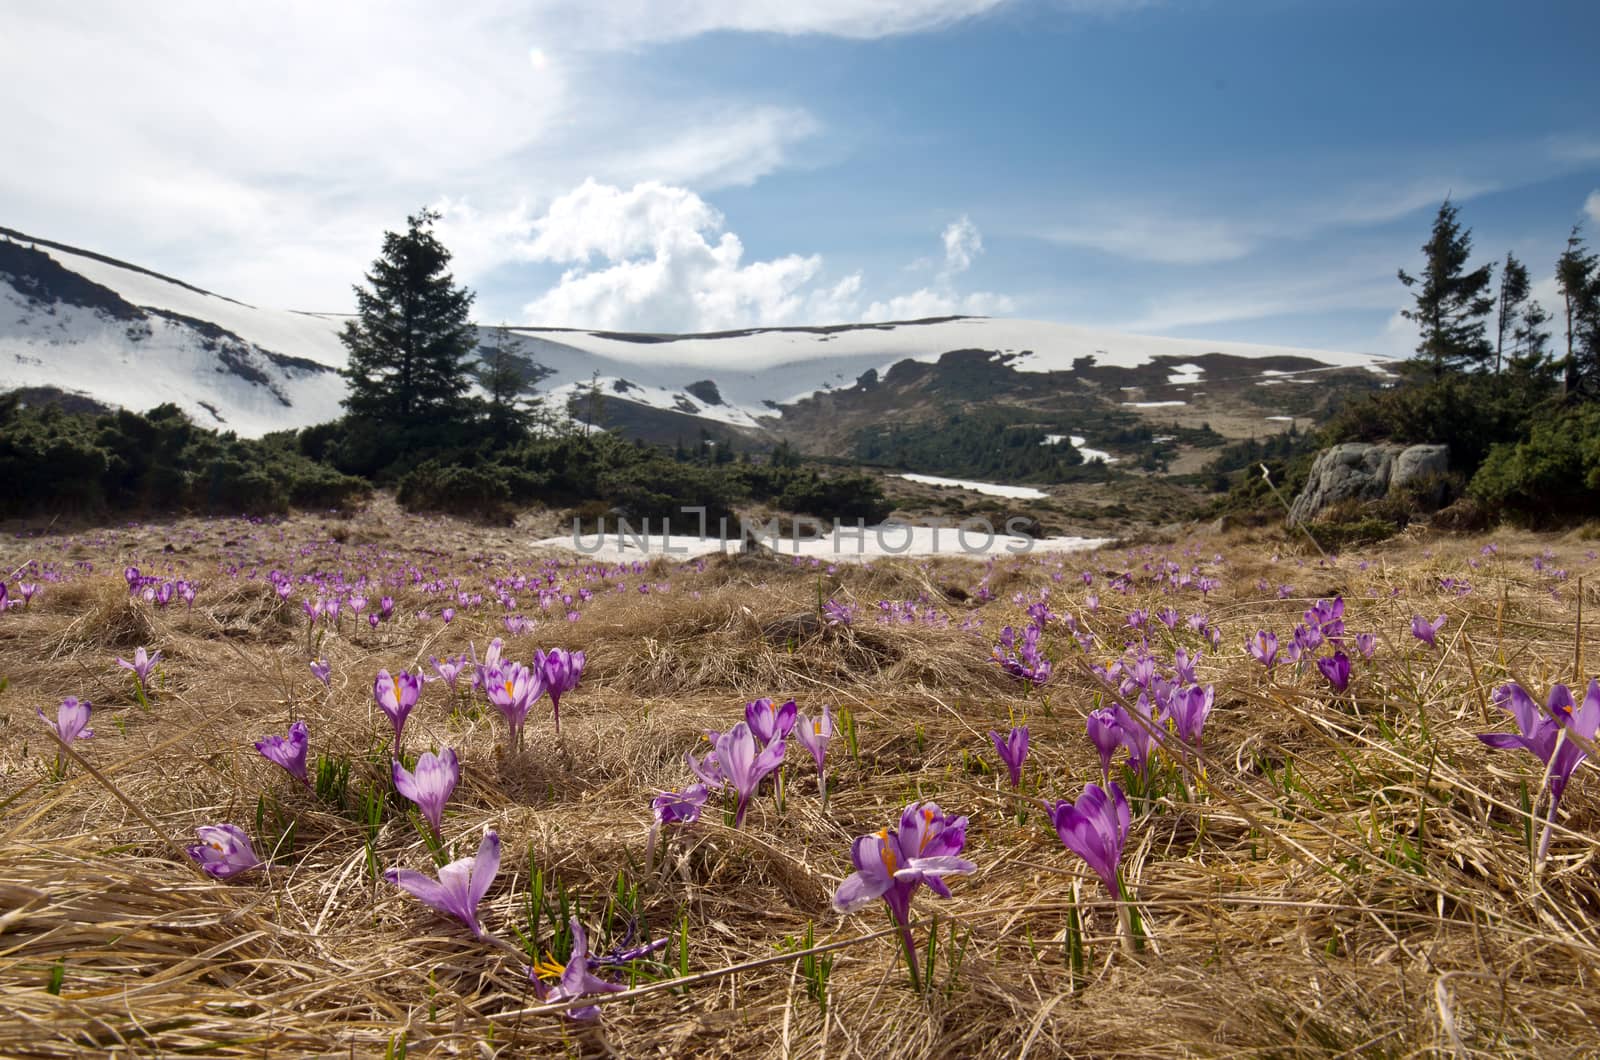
<point x="123" y="335"/>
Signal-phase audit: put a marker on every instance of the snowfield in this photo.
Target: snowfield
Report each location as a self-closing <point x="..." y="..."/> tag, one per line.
<point x="753" y="372"/>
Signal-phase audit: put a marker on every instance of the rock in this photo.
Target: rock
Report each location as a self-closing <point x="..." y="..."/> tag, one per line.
<point x="1366" y="472"/>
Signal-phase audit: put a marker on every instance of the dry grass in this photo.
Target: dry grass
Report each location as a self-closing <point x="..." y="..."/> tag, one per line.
<point x="1350" y="879"/>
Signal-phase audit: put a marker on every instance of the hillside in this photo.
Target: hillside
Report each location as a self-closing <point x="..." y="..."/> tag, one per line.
<point x="102" y="329"/>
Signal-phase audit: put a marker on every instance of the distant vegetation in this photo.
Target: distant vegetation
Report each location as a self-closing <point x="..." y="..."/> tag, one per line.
<point x="1512" y="393"/>
<point x="412" y="423"/>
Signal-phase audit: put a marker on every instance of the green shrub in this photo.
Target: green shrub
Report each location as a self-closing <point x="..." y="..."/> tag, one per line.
<point x="1551" y="477"/>
<point x="843" y="497"/>
<point x="482" y="492"/>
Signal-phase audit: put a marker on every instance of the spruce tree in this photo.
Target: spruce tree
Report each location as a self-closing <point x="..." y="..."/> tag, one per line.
<point x="1514" y="289"/>
<point x="510" y="415"/>
<point x="411" y="338"/>
<point x="1577" y="279"/>
<point x="1451" y="304"/>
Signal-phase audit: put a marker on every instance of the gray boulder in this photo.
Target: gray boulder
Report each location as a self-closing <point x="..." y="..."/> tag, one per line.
<point x="1365" y="472"/>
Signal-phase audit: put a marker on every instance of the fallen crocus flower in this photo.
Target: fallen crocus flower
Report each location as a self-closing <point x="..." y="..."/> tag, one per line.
<point x="561" y="670"/>
<point x="288" y="751"/>
<point x="72" y="719"/>
<point x="743" y="767"/>
<point x="430" y="784"/>
<point x="322" y="672"/>
<point x="396" y="697"/>
<point x="1336" y="668"/>
<point x="1426" y="631"/>
<point x="574" y="980"/>
<point x="708" y="769"/>
<point x="1549" y="736"/>
<point x="224" y="851"/>
<point x="1013" y="751"/>
<point x="461" y="884"/>
<point x="1095" y="828"/>
<point x="769" y="721"/>
<point x="890" y="865"/>
<point x="680" y="807"/>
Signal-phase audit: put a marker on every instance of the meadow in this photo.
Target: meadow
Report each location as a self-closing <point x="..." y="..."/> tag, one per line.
<point x="1320" y="855"/>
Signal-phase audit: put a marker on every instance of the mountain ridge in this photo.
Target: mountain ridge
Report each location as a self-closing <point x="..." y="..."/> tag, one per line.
<point x="107" y="330"/>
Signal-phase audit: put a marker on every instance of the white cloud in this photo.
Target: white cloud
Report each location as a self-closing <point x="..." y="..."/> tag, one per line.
<point x="261" y="153"/>
<point x="655" y="257"/>
<point x="1591" y="206"/>
<point x="627" y="23"/>
<point x="962" y="243"/>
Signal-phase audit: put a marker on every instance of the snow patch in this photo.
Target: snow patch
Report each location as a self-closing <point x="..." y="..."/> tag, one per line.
<point x="1018" y="493"/>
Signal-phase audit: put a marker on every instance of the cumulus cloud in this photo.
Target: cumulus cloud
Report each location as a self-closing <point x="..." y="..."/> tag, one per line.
<point x="655" y="257"/>
<point x="1591" y="205"/>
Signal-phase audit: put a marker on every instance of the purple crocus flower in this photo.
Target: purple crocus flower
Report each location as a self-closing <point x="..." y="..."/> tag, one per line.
<point x="430" y="784"/>
<point x="1106" y="735"/>
<point x="1366" y="644"/>
<point x="288" y="751"/>
<point x="889" y="865"/>
<point x="708" y="769"/>
<point x="396" y="697"/>
<point x="561" y="670"/>
<point x="1426" y="631"/>
<point x="1542" y="735"/>
<point x="769" y="721"/>
<point x="1096" y="828"/>
<point x="224" y="851"/>
<point x="72" y="719"/>
<point x="1138" y="731"/>
<point x="513" y="689"/>
<point x="143" y="663"/>
<point x="27" y="590"/>
<point x="680" y="807"/>
<point x="1013" y="751"/>
<point x="1336" y="668"/>
<point x="1189" y="710"/>
<point x="743" y="767"/>
<point x="814" y="734"/>
<point x="449" y="670"/>
<point x="461" y="884"/>
<point x="576" y="980"/>
<point x="1264" y="646"/>
<point x="322" y="672"/>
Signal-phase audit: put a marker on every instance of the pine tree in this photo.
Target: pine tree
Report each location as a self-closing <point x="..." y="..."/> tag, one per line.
<point x="1451" y="304"/>
<point x="411" y="338"/>
<point x="1577" y="279"/>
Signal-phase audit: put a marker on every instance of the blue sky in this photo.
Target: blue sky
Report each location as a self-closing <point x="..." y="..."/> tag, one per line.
<point x="1243" y="169"/>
